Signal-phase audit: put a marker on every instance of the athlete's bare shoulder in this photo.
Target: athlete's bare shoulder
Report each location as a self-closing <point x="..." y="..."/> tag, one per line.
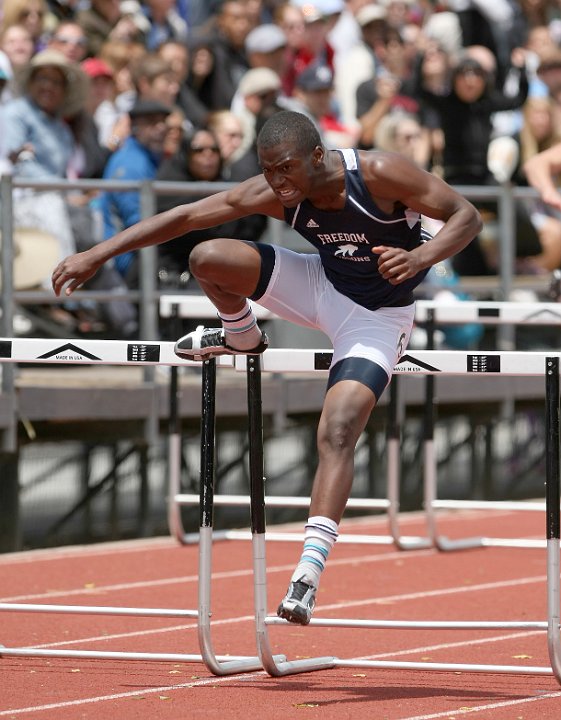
<point x="379" y="165"/>
<point x="254" y="196"/>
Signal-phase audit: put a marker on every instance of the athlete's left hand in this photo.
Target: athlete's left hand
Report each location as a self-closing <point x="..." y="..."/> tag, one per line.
<point x="395" y="264"/>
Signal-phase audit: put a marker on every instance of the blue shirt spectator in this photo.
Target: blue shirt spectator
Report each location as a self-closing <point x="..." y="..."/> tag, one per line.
<point x="138" y="159"/>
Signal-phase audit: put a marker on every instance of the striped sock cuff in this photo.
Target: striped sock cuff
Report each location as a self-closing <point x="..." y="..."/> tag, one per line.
<point x="239" y="322"/>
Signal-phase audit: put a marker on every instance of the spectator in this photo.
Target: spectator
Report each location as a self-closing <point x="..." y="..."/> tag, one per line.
<point x="315" y="45"/>
<point x="63" y="10"/>
<point x="539" y="132"/>
<point x="466" y="116"/>
<point x="233" y="24"/>
<point x="164" y="22"/>
<point x="29" y="13"/>
<point x="176" y="55"/>
<point x="137" y="159"/>
<point x="259" y="89"/>
<point x="70" y="40"/>
<point x="104" y="21"/>
<point x="101" y="100"/>
<point x="314" y="95"/>
<point x="291" y="21"/>
<point x="195" y="95"/>
<point x="362" y="62"/>
<point x="265" y="46"/>
<point x="121" y="56"/>
<point x="197" y="160"/>
<point x="16" y="44"/>
<point x="155" y="79"/>
<point x="403" y="133"/>
<point x="43" y="146"/>
<point x="346" y="33"/>
<point x="228" y="130"/>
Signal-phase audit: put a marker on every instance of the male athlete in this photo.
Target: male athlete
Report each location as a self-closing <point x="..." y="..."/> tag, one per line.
<point x="361" y="211"/>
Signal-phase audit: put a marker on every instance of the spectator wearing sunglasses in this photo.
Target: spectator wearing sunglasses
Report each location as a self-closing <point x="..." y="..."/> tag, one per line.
<point x="70" y="40"/>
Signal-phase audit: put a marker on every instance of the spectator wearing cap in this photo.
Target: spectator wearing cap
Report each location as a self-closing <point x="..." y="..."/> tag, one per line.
<point x="265" y="46"/>
<point x="258" y="93"/>
<point x="137" y="159"/>
<point x="314" y="95"/>
<point x="101" y="100"/>
<point x="361" y="62"/>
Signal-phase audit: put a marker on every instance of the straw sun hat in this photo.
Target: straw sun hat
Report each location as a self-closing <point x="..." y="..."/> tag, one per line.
<point x="35" y="255"/>
<point x="77" y="81"/>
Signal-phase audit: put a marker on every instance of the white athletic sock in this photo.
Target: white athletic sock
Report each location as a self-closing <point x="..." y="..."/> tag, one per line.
<point x="319" y="537"/>
<point x="241" y="330"/>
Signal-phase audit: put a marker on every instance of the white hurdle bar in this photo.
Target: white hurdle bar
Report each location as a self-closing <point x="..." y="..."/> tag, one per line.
<point x="417" y="363"/>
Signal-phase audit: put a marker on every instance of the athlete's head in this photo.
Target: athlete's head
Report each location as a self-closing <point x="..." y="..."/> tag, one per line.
<point x="291" y="156"/>
<point x="292" y="128"/>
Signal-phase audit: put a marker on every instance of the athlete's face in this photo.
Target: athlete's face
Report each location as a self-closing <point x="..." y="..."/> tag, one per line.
<point x="288" y="172"/>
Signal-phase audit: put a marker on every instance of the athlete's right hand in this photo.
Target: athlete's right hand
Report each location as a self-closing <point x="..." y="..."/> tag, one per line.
<point x="74" y="270"/>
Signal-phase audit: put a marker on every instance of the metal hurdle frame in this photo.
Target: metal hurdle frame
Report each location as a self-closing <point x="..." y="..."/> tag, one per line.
<point x="422" y="362"/>
<point x="199" y="306"/>
<point x="431" y="363"/>
<point x="432" y="314"/>
<point x="110" y="352"/>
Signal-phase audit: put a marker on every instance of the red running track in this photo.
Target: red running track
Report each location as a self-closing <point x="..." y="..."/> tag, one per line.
<point x="362" y="581"/>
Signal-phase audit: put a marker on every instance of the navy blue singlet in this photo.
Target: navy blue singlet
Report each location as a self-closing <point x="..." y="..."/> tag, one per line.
<point x="344" y="239"/>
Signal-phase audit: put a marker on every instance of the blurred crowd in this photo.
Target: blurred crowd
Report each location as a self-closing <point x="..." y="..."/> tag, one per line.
<point x="178" y="89"/>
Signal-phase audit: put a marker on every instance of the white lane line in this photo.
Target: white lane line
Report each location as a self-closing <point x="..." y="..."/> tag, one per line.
<point x="168" y="543"/>
<point x="226" y="575"/>
<point x="436" y="593"/>
<point x="471" y="710"/>
<point x="452" y="645"/>
<point x="235" y="678"/>
<point x="131" y="694"/>
<point x="370" y="601"/>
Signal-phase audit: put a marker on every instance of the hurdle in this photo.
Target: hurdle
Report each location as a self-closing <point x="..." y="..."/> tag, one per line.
<point x="416" y="363"/>
<point x="110" y="352"/>
<point x="423" y="362"/>
<point x="174" y="306"/>
<point x="432" y="314"/>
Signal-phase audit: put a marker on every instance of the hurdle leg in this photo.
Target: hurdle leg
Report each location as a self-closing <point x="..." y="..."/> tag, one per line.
<point x="552" y="512"/>
<point x="274" y="665"/>
<point x="394" y="476"/>
<point x="208" y="422"/>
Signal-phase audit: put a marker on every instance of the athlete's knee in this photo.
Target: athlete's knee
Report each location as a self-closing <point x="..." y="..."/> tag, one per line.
<point x="207" y="257"/>
<point x="338" y="432"/>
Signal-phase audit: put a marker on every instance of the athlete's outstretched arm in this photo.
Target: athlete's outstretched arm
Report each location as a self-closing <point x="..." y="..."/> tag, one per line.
<point x="392" y="178"/>
<point x="253" y="196"/>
